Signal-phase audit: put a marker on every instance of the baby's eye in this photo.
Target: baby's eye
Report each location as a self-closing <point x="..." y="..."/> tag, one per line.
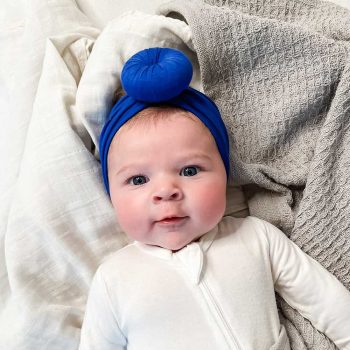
<point x="138" y="180"/>
<point x="189" y="171"/>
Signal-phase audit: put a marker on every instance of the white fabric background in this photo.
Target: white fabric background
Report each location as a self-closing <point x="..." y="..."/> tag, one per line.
<point x="57" y="224"/>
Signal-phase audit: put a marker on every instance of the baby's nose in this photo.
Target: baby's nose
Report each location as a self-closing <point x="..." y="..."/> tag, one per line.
<point x="167" y="193"/>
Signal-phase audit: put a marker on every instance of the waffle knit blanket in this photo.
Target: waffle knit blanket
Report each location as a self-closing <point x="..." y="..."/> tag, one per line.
<point x="279" y="71"/>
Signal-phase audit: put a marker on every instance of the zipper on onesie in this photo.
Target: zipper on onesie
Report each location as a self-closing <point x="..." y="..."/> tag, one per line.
<point x="191" y="258"/>
<point x="218" y="315"/>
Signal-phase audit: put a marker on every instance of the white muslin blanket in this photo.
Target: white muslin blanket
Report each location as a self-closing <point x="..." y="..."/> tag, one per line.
<point x="57" y="223"/>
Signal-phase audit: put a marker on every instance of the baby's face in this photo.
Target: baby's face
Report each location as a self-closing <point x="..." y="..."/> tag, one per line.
<point x="167" y="181"/>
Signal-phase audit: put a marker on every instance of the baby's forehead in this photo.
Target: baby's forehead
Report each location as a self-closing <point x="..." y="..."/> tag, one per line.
<point x="152" y="117"/>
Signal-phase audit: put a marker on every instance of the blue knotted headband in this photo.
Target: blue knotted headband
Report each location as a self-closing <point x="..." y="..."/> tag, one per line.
<point x="159" y="76"/>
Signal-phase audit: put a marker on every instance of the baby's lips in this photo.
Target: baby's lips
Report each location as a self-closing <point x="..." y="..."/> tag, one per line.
<point x="171" y="216"/>
<point x="171" y="219"/>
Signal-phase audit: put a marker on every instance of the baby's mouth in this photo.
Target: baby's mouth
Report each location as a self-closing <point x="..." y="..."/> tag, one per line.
<point x="172" y="220"/>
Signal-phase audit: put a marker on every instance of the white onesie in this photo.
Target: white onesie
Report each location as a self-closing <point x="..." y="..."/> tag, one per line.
<point x="218" y="293"/>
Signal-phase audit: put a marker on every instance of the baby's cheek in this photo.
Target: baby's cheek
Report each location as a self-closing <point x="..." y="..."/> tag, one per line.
<point x="213" y="203"/>
<point x="126" y="215"/>
<point x="123" y="216"/>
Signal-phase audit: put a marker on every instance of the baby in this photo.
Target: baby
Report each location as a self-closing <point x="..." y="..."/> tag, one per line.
<point x="192" y="279"/>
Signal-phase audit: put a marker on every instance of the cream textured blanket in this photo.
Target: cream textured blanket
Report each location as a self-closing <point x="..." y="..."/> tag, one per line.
<point x="279" y="71"/>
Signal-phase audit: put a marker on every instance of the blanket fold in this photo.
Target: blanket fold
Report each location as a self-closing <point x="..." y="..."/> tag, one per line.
<point x="278" y="71"/>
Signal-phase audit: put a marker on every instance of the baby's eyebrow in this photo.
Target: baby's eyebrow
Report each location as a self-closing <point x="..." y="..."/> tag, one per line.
<point x="181" y="159"/>
<point x="196" y="156"/>
<point x="126" y="167"/>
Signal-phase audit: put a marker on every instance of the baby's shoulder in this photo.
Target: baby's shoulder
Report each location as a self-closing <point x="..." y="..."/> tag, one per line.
<point x="248" y="229"/>
<point x="249" y="224"/>
<point x="127" y="258"/>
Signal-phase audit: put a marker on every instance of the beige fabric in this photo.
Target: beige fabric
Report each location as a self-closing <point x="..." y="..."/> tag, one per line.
<point x="280" y="74"/>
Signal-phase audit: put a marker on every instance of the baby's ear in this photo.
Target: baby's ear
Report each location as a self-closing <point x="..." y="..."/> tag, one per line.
<point x="118" y="94"/>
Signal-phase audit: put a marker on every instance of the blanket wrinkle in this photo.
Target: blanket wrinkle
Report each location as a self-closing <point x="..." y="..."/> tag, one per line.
<point x="279" y="72"/>
<point x="54" y="238"/>
<point x="42" y="20"/>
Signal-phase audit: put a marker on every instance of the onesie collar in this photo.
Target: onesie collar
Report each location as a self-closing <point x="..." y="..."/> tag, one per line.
<point x="189" y="257"/>
<point x="204" y="242"/>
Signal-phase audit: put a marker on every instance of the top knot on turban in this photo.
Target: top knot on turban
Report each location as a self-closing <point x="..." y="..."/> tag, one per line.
<point x="158" y="76"/>
<point x="155" y="75"/>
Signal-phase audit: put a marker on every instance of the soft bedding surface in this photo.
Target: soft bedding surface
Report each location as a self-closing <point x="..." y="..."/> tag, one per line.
<point x="57" y="222"/>
<point x="59" y="70"/>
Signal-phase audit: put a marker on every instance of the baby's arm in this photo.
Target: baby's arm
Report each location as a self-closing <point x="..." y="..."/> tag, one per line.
<point x="100" y="329"/>
<point x="308" y="287"/>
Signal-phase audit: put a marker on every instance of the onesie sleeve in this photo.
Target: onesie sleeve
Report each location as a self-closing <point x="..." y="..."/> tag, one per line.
<point x="309" y="288"/>
<point x="100" y="328"/>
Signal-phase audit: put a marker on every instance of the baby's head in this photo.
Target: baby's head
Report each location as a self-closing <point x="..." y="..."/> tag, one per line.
<point x="167" y="179"/>
<point x="165" y="167"/>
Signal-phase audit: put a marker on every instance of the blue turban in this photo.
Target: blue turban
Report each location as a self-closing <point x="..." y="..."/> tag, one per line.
<point x="159" y="76"/>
